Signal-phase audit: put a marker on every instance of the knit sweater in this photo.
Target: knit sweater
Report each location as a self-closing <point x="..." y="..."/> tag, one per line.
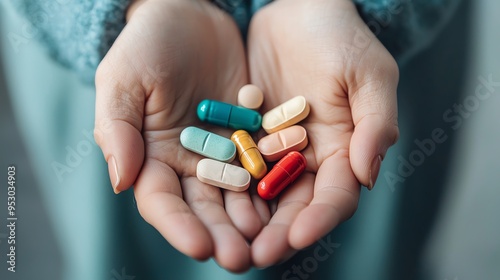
<point x="79" y="33"/>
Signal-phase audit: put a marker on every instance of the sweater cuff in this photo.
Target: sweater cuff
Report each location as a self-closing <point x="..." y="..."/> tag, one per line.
<point x="241" y="11"/>
<point x="78" y="34"/>
<point x="406" y="26"/>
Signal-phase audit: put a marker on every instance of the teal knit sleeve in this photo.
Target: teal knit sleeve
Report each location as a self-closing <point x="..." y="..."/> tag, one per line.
<point x="403" y="26"/>
<point x="79" y="33"/>
<point x="406" y="26"/>
<point x="76" y="33"/>
<point x="241" y="11"/>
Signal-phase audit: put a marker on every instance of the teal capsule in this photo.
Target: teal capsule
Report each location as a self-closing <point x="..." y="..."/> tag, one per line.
<point x="208" y="144"/>
<point x="227" y="115"/>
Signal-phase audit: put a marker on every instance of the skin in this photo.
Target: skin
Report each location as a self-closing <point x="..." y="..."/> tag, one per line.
<point x="323" y="50"/>
<point x="173" y="54"/>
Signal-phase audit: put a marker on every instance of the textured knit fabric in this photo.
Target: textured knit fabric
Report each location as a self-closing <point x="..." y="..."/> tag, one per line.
<point x="76" y="33"/>
<point x="406" y="26"/>
<point x="79" y="33"/>
<point x="241" y="10"/>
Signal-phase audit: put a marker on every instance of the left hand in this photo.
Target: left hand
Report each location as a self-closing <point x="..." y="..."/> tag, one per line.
<point x="170" y="56"/>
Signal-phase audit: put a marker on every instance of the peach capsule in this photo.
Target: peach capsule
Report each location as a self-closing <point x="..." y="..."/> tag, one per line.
<point x="276" y="145"/>
<point x="248" y="154"/>
<point x="287" y="170"/>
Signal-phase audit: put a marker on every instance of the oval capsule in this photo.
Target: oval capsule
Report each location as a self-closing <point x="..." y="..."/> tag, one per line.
<point x="249" y="155"/>
<point x="227" y="115"/>
<point x="208" y="144"/>
<point x="223" y="175"/>
<point x="283" y="173"/>
<point x="276" y="145"/>
<point x="286" y="114"/>
<point x="250" y="96"/>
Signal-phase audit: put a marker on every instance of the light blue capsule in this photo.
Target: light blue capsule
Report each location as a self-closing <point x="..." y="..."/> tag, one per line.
<point x="208" y="144"/>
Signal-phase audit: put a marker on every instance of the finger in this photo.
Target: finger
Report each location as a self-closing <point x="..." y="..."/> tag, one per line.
<point x="271" y="245"/>
<point x="230" y="248"/>
<point x="261" y="207"/>
<point x="336" y="195"/>
<point x="374" y="110"/>
<point x="159" y="200"/>
<point x="242" y="212"/>
<point x="118" y="124"/>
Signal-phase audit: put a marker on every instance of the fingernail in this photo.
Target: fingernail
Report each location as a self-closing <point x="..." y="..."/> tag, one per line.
<point x="374" y="171"/>
<point x="113" y="174"/>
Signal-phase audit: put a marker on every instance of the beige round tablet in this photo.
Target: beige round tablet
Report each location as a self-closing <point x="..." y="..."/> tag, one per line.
<point x="250" y="96"/>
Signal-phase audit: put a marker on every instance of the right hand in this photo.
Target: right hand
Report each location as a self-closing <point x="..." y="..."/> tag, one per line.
<point x="169" y="57"/>
<point x="323" y="50"/>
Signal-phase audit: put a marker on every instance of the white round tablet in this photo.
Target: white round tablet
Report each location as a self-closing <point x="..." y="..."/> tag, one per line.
<point x="250" y="96"/>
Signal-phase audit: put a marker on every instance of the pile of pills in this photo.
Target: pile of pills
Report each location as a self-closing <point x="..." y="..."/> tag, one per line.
<point x="283" y="144"/>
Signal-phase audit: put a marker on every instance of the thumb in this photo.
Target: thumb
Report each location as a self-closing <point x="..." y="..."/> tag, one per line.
<point x="118" y="125"/>
<point x="374" y="111"/>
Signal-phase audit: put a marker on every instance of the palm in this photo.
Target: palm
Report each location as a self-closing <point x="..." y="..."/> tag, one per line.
<point x="285" y="63"/>
<point x="306" y="48"/>
<point x="173" y="54"/>
<point x="184" y="52"/>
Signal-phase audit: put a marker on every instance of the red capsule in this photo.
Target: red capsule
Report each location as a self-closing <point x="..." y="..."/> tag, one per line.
<point x="283" y="173"/>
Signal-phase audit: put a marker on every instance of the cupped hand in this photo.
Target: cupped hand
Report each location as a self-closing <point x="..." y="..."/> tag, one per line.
<point x="322" y="49"/>
<point x="170" y="56"/>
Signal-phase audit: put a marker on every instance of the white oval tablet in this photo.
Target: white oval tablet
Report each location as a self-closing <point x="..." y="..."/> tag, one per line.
<point x="223" y="175"/>
<point x="286" y="114"/>
<point x="250" y="96"/>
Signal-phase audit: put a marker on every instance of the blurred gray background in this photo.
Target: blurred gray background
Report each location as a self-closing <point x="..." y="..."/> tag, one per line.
<point x="465" y="240"/>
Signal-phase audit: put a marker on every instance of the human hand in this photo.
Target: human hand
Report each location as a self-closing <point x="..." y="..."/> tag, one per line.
<point x="170" y="56"/>
<point x="322" y="49"/>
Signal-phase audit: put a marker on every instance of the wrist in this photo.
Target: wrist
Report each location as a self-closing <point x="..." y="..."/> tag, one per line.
<point x="132" y="7"/>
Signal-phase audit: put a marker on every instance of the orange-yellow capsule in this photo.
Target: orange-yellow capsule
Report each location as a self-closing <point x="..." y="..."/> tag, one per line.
<point x="249" y="155"/>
